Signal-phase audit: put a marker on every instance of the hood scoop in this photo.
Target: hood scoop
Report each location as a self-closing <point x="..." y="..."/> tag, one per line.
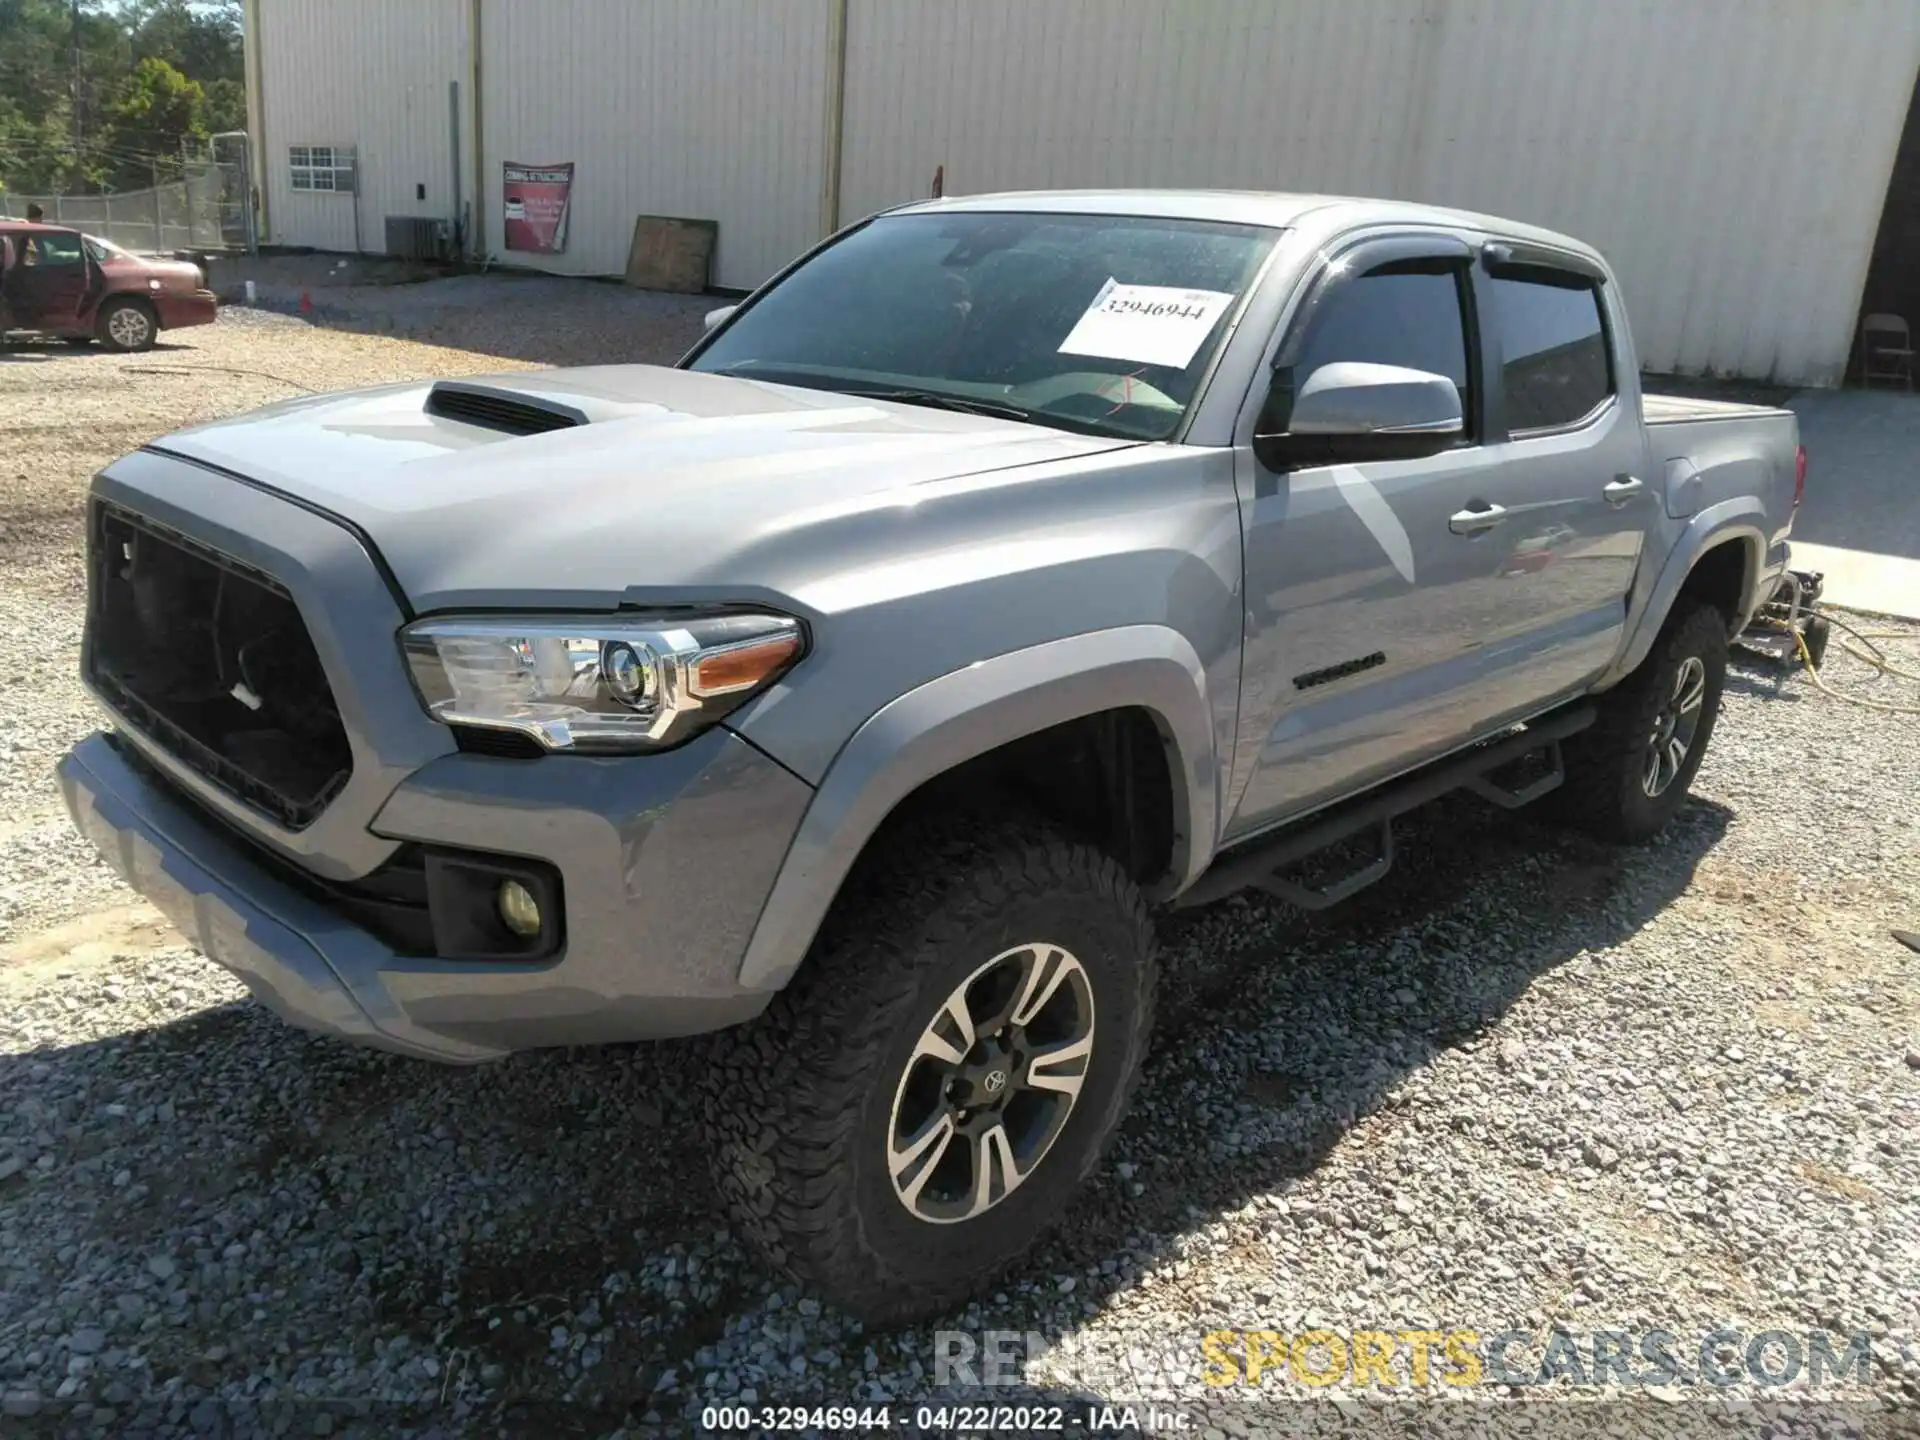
<point x="508" y="411"/>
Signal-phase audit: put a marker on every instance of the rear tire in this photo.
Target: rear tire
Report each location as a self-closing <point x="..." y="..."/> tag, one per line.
<point x="1629" y="774"/>
<point x="849" y="1144"/>
<point x="127" y="325"/>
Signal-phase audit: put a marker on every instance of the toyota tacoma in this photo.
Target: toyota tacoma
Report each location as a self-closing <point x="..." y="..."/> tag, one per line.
<point x="1004" y="569"/>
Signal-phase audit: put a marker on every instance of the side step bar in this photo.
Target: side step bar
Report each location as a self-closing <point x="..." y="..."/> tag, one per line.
<point x="1258" y="863"/>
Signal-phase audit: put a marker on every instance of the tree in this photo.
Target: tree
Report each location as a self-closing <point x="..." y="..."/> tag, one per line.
<point x="36" y="94"/>
<point x="155" y="110"/>
<point x="226" y="105"/>
<point x="129" y="118"/>
<point x="202" y="41"/>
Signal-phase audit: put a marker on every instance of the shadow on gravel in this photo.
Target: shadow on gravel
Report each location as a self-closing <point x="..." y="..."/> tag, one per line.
<point x="1749" y="673"/>
<point x="1396" y="1008"/>
<point x="34" y="351"/>
<point x="1765" y="685"/>
<point x="460" y="1216"/>
<point x="1351" y="1009"/>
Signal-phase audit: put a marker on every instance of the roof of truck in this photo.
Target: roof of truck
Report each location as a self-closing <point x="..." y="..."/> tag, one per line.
<point x="1279" y="209"/>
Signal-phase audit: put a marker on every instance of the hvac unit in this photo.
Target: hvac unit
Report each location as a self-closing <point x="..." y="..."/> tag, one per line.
<point x="416" y="237"/>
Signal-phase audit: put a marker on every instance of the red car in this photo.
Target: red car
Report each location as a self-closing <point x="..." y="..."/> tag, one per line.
<point x="59" y="282"/>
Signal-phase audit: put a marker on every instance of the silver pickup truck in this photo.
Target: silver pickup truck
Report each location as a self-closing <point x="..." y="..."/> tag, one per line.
<point x="1004" y="569"/>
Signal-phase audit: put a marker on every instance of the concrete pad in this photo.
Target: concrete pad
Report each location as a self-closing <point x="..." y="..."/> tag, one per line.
<point x="1862" y="580"/>
<point x="1860" y="523"/>
<point x="1863" y="470"/>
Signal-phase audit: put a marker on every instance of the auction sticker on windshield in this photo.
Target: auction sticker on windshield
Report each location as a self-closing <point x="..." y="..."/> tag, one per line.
<point x="1149" y="324"/>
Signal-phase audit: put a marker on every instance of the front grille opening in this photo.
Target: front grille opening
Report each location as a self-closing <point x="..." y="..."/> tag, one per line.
<point x="211" y="659"/>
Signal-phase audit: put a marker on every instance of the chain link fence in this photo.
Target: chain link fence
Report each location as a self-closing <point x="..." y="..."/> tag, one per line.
<point x="203" y="210"/>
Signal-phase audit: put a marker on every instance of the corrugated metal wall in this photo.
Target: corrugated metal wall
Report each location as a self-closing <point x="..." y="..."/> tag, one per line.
<point x="372" y="74"/>
<point x="1730" y="156"/>
<point x="711" y="109"/>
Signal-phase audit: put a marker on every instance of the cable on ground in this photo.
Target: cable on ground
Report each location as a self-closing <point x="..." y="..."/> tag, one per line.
<point x="217" y="370"/>
<point x="1872" y="655"/>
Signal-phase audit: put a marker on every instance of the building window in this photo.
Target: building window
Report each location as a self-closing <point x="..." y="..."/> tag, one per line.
<point x="321" y="167"/>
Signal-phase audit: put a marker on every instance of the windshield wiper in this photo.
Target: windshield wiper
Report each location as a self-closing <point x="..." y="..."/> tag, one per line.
<point x="931" y="399"/>
<point x="995" y="409"/>
<point x="964" y="404"/>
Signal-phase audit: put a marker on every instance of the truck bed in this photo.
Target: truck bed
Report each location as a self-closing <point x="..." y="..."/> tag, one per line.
<point x="1682" y="409"/>
<point x="1708" y="451"/>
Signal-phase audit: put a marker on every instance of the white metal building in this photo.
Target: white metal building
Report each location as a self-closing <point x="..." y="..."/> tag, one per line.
<point x="1732" y="157"/>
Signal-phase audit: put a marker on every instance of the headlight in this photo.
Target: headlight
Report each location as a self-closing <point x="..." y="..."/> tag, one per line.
<point x="597" y="684"/>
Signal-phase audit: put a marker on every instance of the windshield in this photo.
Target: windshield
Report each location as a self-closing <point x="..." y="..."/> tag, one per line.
<point x="103" y="249"/>
<point x="1102" y="324"/>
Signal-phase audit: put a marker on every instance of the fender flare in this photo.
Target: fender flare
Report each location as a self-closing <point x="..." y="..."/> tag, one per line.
<point x="965" y="714"/>
<point x="1741" y="520"/>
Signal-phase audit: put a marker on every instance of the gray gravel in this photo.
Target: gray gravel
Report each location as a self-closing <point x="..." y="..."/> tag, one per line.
<point x="541" y="319"/>
<point x="1526" y="1084"/>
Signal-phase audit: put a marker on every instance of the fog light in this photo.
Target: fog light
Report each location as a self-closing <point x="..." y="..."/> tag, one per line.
<point x="519" y="911"/>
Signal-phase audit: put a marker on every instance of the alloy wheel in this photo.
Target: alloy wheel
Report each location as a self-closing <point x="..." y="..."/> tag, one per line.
<point x="990" y="1084"/>
<point x="1675" y="728"/>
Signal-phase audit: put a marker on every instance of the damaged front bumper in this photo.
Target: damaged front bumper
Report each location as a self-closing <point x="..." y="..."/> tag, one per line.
<point x="666" y="861"/>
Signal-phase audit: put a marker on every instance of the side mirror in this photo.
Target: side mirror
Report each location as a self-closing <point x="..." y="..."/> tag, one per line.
<point x="1350" y="412"/>
<point x="716" y="317"/>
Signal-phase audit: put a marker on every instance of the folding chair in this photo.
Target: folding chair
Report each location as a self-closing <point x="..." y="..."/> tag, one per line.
<point x="1886" y="350"/>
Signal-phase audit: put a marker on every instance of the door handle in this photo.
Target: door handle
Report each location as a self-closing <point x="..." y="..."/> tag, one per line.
<point x="1618" y="492"/>
<point x="1480" y="516"/>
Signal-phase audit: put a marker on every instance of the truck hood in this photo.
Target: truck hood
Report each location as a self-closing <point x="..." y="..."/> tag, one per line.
<point x="664" y="481"/>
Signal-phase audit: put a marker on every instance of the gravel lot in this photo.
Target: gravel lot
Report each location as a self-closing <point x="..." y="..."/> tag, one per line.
<point x="1527" y="1084"/>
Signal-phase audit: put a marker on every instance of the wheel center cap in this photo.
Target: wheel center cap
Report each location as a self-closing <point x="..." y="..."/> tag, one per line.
<point x="988" y="1080"/>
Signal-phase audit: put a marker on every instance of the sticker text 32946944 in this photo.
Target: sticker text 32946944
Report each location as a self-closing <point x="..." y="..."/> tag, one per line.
<point x="1148" y="324"/>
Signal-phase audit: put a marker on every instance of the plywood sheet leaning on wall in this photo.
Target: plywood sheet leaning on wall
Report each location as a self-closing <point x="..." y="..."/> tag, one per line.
<point x="671" y="253"/>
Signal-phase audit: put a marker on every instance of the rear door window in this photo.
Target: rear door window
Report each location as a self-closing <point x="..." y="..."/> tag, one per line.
<point x="1557" y="368"/>
<point x="53" y="251"/>
<point x="60" y="250"/>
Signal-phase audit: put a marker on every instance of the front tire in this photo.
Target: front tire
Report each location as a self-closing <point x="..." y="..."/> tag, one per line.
<point x="922" y="1103"/>
<point x="127" y="325"/>
<point x="1630" y="773"/>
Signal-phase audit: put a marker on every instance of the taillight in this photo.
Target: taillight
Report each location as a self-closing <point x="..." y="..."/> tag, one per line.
<point x="1799" y="476"/>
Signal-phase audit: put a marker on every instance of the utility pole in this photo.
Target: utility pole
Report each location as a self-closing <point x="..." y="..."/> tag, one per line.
<point x="78" y="136"/>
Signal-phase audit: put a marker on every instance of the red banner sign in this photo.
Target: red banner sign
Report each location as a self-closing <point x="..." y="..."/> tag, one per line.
<point x="537" y="201"/>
